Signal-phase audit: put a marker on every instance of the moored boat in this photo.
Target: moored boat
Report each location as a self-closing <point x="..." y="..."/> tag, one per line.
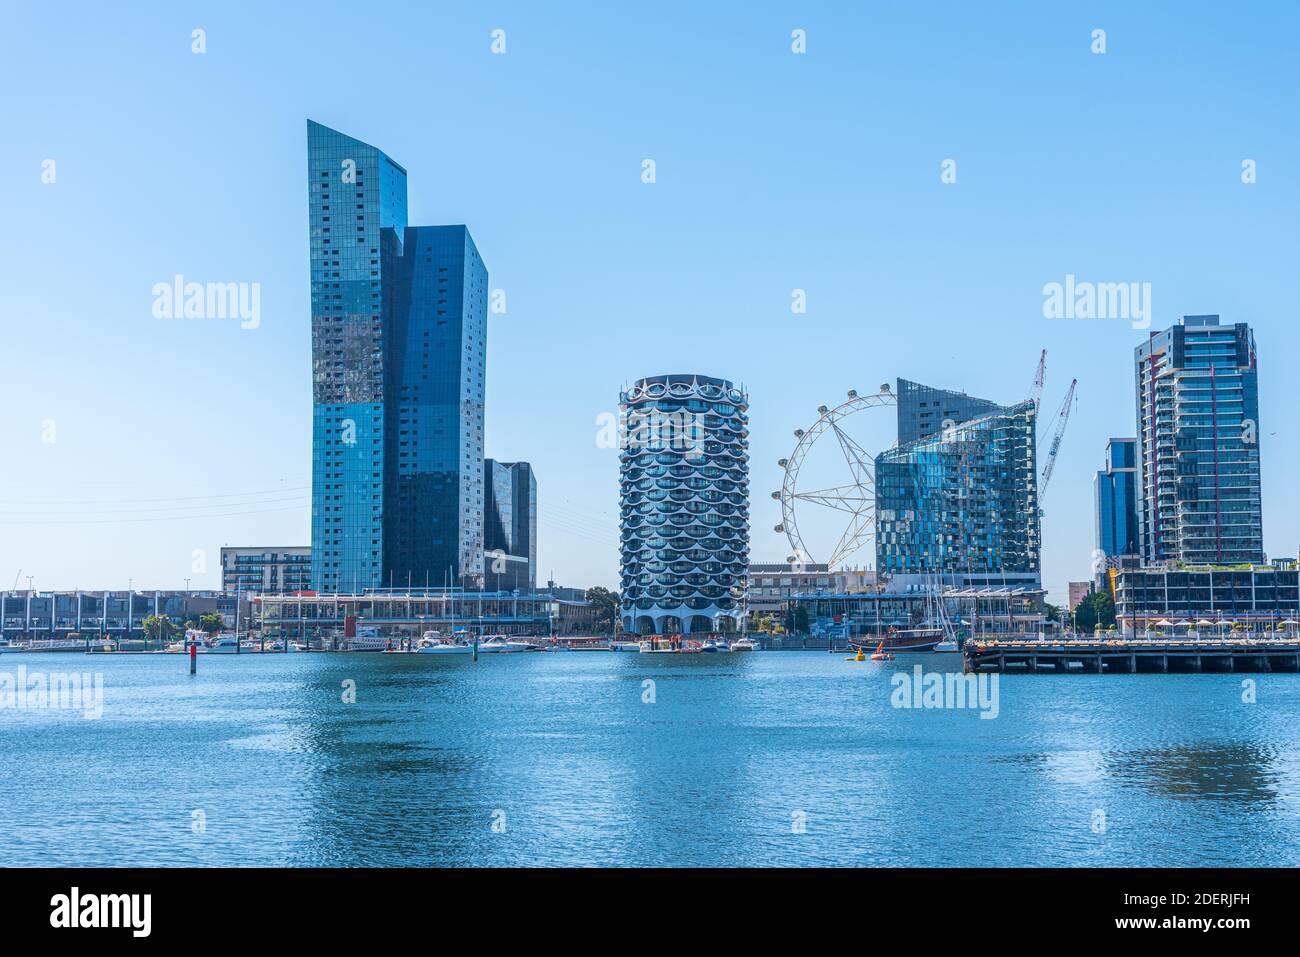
<point x="904" y="640"/>
<point x="500" y="644"/>
<point x="367" y="639"/>
<point x="435" y="644"/>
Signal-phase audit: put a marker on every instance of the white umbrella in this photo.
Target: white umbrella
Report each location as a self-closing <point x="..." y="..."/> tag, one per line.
<point x="1164" y="623"/>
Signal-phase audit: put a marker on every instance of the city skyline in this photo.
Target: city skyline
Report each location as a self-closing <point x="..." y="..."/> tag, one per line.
<point x="95" y="504"/>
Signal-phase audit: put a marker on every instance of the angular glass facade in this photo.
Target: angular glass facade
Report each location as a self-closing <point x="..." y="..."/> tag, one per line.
<point x="962" y="500"/>
<point x="398" y="352"/>
<point x="1115" y="500"/>
<point x="354" y="193"/>
<point x="923" y="410"/>
<point x="510" y="515"/>
<point x="684" y="517"/>
<point x="435" y="491"/>
<point x="1198" y="444"/>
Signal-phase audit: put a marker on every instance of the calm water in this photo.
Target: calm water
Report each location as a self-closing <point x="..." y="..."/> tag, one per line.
<point x="561" y="749"/>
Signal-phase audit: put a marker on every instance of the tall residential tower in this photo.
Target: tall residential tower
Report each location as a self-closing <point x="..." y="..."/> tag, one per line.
<point x="399" y="323"/>
<point x="1198" y="444"/>
<point x="684" y="517"/>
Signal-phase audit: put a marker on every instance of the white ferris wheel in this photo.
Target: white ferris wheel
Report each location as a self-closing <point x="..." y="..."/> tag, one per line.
<point x="854" y="498"/>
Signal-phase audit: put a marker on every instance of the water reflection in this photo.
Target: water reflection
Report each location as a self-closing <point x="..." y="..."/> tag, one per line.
<point x="1244" y="774"/>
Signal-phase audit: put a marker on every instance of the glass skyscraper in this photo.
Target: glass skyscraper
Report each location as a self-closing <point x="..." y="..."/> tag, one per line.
<point x="1115" y="500"/>
<point x="962" y="497"/>
<point x="510" y="517"/>
<point x="399" y="323"/>
<point x="1198" y="444"/>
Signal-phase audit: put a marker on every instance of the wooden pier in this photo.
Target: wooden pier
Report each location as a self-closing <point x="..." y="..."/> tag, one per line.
<point x="1131" y="655"/>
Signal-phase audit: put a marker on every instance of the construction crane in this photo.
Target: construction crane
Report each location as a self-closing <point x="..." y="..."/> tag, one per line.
<point x="1037" y="392"/>
<point x="1058" y="431"/>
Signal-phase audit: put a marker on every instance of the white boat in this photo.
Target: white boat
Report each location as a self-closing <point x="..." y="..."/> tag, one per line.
<point x="367" y="639"/>
<point x="743" y="644"/>
<point x="500" y="644"/>
<point x="442" y="646"/>
<point x="224" y="645"/>
<point x="6" y="646"/>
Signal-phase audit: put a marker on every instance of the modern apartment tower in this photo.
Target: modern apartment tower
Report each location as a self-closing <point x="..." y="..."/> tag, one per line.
<point x="684" y="495"/>
<point x="962" y="495"/>
<point x="1115" y="501"/>
<point x="399" y="323"/>
<point x="1198" y="445"/>
<point x="510" y="530"/>
<point x="923" y="409"/>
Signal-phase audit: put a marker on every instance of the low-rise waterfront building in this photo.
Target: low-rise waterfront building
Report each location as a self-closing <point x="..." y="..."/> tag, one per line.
<point x="42" y="615"/>
<point x="976" y="604"/>
<point x="409" y="613"/>
<point x="261" y="569"/>
<point x="773" y="584"/>
<point x="1253" y="597"/>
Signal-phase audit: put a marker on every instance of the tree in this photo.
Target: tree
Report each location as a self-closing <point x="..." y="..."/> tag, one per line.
<point x="606" y="603"/>
<point x="1051" y="612"/>
<point x="1097" y="609"/>
<point x="212" y="622"/>
<point x="159" y="626"/>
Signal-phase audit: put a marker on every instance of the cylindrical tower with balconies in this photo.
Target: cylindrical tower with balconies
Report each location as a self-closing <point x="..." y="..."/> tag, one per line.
<point x="684" y="497"/>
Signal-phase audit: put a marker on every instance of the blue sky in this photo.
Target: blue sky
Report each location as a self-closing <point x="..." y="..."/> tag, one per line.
<point x="775" y="172"/>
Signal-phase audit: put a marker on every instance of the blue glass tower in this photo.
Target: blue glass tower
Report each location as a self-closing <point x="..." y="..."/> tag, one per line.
<point x="962" y="497"/>
<point x="435" y="488"/>
<point x="354" y="194"/>
<point x="398" y="350"/>
<point x="510" y="525"/>
<point x="1115" y="500"/>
